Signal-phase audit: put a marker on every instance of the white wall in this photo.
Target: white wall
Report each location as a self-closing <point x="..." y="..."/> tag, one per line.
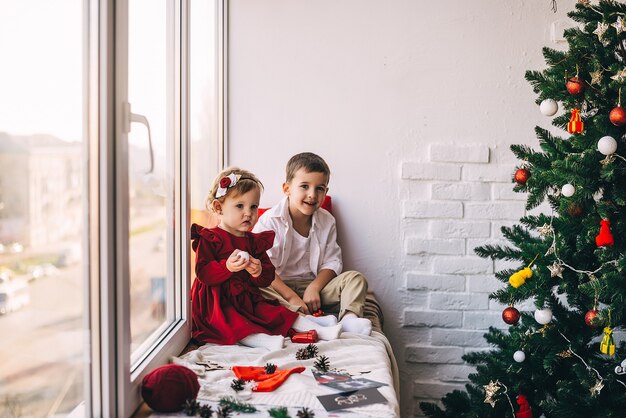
<point x="414" y="105"/>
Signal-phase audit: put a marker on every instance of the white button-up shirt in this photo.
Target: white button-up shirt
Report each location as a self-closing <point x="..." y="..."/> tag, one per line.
<point x="324" y="251"/>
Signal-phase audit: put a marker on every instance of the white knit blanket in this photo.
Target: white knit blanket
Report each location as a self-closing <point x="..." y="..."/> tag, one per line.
<point x="369" y="357"/>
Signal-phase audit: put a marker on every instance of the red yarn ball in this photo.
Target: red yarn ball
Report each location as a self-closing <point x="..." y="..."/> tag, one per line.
<point x="166" y="388"/>
<point x="575" y="86"/>
<point x="510" y="315"/>
<point x="521" y="176"/>
<point x="618" y="116"/>
<point x="591" y="318"/>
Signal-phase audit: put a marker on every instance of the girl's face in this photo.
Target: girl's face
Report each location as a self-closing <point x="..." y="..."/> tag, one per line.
<point x="239" y="212"/>
<point x="306" y="192"/>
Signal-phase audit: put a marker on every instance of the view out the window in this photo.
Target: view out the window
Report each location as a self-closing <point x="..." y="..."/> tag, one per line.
<point x="150" y="184"/>
<point x="42" y="204"/>
<point x="45" y="287"/>
<point x="204" y="106"/>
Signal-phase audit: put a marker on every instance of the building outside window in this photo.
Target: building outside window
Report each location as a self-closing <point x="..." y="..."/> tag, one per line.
<point x="94" y="252"/>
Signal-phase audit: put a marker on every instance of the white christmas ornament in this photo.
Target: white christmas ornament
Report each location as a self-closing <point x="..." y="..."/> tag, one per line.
<point x="568" y="190"/>
<point x="548" y="107"/>
<point x="519" y="356"/>
<point x="543" y="316"/>
<point x="244" y="255"/>
<point x="607" y="145"/>
<point x="621" y="369"/>
<point x="597" y="196"/>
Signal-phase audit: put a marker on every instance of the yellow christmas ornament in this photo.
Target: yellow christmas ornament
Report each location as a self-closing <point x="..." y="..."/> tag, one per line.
<point x="607" y="345"/>
<point x="519" y="278"/>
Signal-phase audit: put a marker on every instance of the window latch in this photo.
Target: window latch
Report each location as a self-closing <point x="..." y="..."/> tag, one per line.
<point x="130" y="117"/>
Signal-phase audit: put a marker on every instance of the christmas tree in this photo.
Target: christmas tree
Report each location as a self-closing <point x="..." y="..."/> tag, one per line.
<point x="561" y="359"/>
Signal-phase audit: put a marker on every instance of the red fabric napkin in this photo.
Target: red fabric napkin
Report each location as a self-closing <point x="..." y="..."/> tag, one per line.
<point x="266" y="382"/>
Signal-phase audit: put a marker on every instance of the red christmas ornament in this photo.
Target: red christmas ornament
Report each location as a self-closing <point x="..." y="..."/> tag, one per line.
<point x="306" y="337"/>
<point x="591" y="318"/>
<point x="575" y="86"/>
<point x="605" y="238"/>
<point x="575" y="211"/>
<point x="524" y="407"/>
<point x="618" y="116"/>
<point x="510" y="315"/>
<point x="575" y="125"/>
<point x="521" y="176"/>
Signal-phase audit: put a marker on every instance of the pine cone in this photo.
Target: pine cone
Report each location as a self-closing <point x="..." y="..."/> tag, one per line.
<point x="270" y="368"/>
<point x="190" y="407"/>
<point x="237" y="384"/>
<point x="312" y="350"/>
<point x="322" y="363"/>
<point x="224" y="411"/>
<point x="305" y="413"/>
<point x="205" y="411"/>
<point x="307" y="352"/>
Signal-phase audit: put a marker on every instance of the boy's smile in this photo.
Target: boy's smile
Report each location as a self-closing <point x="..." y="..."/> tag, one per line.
<point x="306" y="192"/>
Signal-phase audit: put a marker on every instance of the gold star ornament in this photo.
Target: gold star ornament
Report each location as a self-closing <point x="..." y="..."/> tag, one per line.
<point x="556" y="270"/>
<point x="597" y="388"/>
<point x="491" y="390"/>
<point x="620" y="25"/>
<point x="620" y="76"/>
<point x="596" y="77"/>
<point x="565" y="354"/>
<point x="601" y="29"/>
<point x="545" y="230"/>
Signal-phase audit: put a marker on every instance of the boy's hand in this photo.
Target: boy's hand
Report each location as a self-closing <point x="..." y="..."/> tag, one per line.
<point x="236" y="263"/>
<point x="312" y="298"/>
<point x="254" y="267"/>
<point x="297" y="301"/>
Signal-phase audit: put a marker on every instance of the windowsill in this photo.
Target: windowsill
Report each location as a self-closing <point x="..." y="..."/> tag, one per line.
<point x="144" y="410"/>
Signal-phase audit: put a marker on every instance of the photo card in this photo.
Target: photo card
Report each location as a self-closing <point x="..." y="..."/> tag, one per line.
<point x="345" y="400"/>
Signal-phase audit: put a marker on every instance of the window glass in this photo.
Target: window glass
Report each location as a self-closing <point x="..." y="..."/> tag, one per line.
<point x="151" y="183"/>
<point x="204" y="108"/>
<point x="42" y="189"/>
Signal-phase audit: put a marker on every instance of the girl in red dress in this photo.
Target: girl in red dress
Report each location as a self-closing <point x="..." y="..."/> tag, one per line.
<point x="231" y="266"/>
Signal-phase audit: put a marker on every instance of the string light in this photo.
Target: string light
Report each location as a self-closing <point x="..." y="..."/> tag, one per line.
<point x="553" y="250"/>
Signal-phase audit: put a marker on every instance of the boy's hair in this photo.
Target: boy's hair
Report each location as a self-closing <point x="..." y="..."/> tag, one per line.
<point x="312" y="163"/>
<point x="246" y="182"/>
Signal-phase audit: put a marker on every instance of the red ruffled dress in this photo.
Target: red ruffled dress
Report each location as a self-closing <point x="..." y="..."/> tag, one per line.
<point x="226" y="306"/>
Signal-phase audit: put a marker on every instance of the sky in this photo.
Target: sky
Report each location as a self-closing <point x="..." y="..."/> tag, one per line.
<point x="41" y="70"/>
<point x="41" y="52"/>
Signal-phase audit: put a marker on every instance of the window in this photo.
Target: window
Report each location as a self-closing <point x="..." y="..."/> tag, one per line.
<point x="95" y="138"/>
<point x="42" y="222"/>
<point x="206" y="108"/>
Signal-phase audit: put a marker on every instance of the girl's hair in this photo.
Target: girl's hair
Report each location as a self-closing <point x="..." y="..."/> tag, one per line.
<point x="312" y="163"/>
<point x="246" y="182"/>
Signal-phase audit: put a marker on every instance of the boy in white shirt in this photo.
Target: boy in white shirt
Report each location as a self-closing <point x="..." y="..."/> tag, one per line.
<point x="305" y="252"/>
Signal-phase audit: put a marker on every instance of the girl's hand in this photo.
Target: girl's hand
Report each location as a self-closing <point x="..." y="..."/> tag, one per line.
<point x="254" y="267"/>
<point x="235" y="263"/>
<point x="297" y="301"/>
<point x="312" y="298"/>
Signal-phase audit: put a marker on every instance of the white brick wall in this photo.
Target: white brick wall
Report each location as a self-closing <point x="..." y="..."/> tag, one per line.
<point x="470" y="200"/>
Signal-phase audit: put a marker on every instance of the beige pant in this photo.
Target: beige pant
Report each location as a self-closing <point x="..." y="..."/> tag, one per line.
<point x="345" y="292"/>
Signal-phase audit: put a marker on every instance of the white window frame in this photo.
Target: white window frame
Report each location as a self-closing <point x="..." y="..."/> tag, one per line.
<point x="113" y="384"/>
